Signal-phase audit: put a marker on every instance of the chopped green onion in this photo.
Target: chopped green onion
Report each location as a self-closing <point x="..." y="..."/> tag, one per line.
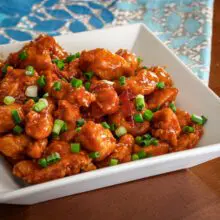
<point x="80" y="122"/>
<point x="139" y="102"/>
<point x="113" y="162"/>
<point x="59" y="63"/>
<point x="88" y="75"/>
<point x="122" y="80"/>
<point x="41" y="81"/>
<point x="57" y="86"/>
<point x="29" y="71"/>
<point x="72" y="57"/>
<point x="141" y="154"/>
<point x="53" y="158"/>
<point x="120" y="131"/>
<point x="5" y="68"/>
<point x="188" y="129"/>
<point x="8" y="100"/>
<point x="204" y="119"/>
<point x="17" y="129"/>
<point x="42" y="162"/>
<point x="23" y="55"/>
<point x="78" y="129"/>
<point x="40" y="105"/>
<point x="138" y="139"/>
<point x="46" y="95"/>
<point x="31" y="91"/>
<point x="146" y="137"/>
<point x="138" y="118"/>
<point x="64" y="128"/>
<point x="134" y="157"/>
<point x="76" y="82"/>
<point x="112" y="127"/>
<point x="105" y="125"/>
<point x="197" y="119"/>
<point x="75" y="147"/>
<point x="148" y="115"/>
<point x="87" y="85"/>
<point x="139" y="60"/>
<point x="160" y="85"/>
<point x="145" y="143"/>
<point x="154" y="141"/>
<point x="156" y="109"/>
<point x="94" y="155"/>
<point x="16" y="116"/>
<point x="144" y="67"/>
<point x="58" y="124"/>
<point x="173" y="107"/>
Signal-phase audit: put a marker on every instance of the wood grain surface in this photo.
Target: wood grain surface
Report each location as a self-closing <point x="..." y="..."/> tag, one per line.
<point x="188" y="194"/>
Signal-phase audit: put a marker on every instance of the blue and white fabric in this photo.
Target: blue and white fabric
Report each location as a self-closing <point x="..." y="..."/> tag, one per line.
<point x="184" y="25"/>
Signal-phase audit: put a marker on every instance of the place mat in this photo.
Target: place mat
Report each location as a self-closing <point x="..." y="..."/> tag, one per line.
<point x="184" y="25"/>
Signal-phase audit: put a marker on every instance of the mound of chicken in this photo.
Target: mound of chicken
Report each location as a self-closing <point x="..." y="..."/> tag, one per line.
<point x="62" y="114"/>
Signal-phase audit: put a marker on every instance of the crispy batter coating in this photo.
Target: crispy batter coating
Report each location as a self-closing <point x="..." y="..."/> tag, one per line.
<point x="130" y="58"/>
<point x="166" y="126"/>
<point x="107" y="101"/>
<point x="39" y="54"/>
<point x="15" y="83"/>
<point x="163" y="75"/>
<point x="6" y="120"/>
<point x="39" y="125"/>
<point x="104" y="64"/>
<point x="161" y="148"/>
<point x="143" y="83"/>
<point x="14" y="146"/>
<point x="95" y="138"/>
<point x="161" y="97"/>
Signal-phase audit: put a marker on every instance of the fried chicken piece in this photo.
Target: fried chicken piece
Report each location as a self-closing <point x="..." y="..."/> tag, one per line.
<point x="6" y="120"/>
<point x="36" y="148"/>
<point x="70" y="164"/>
<point x="71" y="70"/>
<point x="70" y="114"/>
<point x="166" y="126"/>
<point x="127" y="139"/>
<point x="161" y="148"/>
<point x="107" y="101"/>
<point x="163" y="75"/>
<point x="104" y="64"/>
<point x="161" y="97"/>
<point x="189" y="140"/>
<point x="124" y="117"/>
<point x="122" y="152"/>
<point x="130" y="58"/>
<point x="78" y="96"/>
<point x="94" y="137"/>
<point x="15" y="83"/>
<point x="143" y="83"/>
<point x="39" y="125"/>
<point x="39" y="54"/>
<point x="183" y="117"/>
<point x="14" y="146"/>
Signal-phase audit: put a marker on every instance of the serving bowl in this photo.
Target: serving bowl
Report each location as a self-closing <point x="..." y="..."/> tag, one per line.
<point x="193" y="96"/>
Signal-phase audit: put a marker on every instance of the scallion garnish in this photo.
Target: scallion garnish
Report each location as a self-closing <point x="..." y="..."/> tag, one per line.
<point x="139" y="102"/>
<point x="75" y="147"/>
<point x="113" y="162"/>
<point x="8" y="100"/>
<point x="120" y="131"/>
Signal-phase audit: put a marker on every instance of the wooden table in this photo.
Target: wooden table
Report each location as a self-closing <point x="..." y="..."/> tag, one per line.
<point x="188" y="194"/>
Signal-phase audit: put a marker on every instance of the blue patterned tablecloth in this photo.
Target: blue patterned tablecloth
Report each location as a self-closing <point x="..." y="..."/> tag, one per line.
<point x="184" y="25"/>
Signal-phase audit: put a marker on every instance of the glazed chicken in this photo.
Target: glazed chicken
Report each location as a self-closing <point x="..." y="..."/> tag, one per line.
<point x="62" y="114"/>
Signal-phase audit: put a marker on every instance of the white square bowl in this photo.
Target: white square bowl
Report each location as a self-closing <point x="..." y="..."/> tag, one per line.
<point x="194" y="96"/>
